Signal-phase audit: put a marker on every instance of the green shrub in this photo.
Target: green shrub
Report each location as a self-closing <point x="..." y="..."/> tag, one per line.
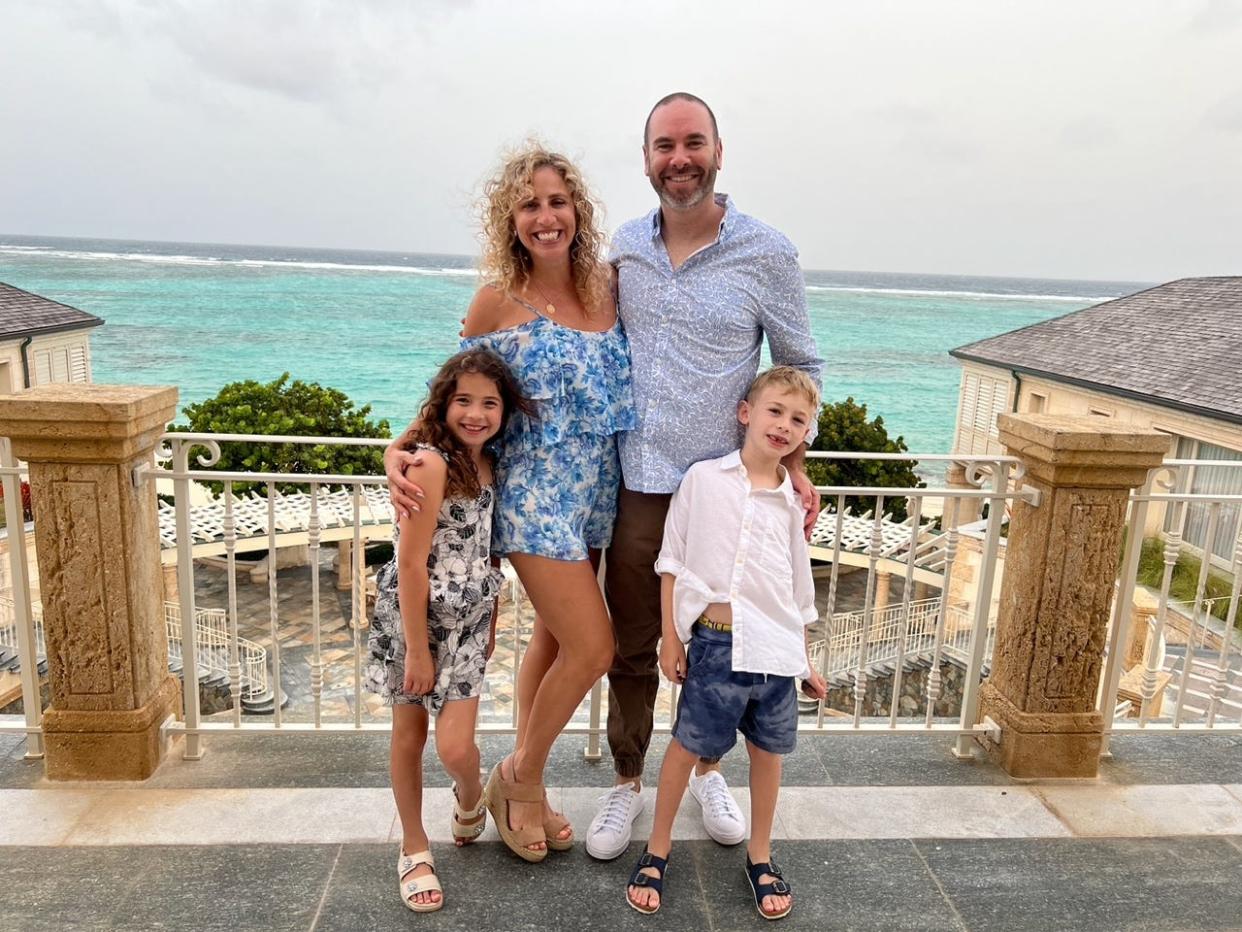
<point x="293" y="408"/>
<point x="1185" y="579"/>
<point x="844" y="426"/>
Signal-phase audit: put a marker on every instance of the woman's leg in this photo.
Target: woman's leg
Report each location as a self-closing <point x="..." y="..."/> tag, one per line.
<point x="458" y="752"/>
<point x="409" y="737"/>
<point x="567" y="597"/>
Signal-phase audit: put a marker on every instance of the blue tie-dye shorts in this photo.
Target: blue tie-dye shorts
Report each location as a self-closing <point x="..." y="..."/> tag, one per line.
<point x="716" y="702"/>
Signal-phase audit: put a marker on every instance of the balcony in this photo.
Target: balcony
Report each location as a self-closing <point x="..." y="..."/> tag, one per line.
<point x="929" y="792"/>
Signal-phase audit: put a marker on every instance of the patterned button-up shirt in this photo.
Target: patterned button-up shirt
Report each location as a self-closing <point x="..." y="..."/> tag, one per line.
<point x="696" y="333"/>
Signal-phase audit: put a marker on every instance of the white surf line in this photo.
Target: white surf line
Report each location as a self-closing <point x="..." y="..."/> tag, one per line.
<point x="113" y="815"/>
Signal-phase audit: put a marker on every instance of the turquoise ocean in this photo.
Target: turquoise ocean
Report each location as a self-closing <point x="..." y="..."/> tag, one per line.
<point x="377" y="324"/>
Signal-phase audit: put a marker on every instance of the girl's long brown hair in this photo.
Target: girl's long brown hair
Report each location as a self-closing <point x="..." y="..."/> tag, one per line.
<point x="430" y="427"/>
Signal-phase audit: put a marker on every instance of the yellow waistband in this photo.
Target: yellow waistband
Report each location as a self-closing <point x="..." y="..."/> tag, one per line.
<point x="712" y="625"/>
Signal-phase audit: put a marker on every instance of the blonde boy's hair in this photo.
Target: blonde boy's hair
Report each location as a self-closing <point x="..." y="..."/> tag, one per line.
<point x="787" y="378"/>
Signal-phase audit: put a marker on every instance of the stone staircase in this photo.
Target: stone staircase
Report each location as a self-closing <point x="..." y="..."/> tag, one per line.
<point x="1201" y="682"/>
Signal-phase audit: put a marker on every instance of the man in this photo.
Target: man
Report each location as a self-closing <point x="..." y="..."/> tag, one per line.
<point x="700" y="285"/>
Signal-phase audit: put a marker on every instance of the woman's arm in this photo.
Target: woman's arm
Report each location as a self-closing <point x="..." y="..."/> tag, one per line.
<point x="413" y="581"/>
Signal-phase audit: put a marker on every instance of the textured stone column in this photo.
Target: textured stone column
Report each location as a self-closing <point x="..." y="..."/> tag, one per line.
<point x="1058" y="588"/>
<point x="99" y="571"/>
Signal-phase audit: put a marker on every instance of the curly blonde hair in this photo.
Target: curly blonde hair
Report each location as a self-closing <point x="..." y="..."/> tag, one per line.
<point x="505" y="262"/>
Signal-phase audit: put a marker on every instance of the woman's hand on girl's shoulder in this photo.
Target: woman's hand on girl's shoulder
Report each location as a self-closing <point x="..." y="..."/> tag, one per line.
<point x="429" y="473"/>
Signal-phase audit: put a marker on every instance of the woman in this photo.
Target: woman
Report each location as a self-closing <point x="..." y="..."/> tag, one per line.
<point x="547" y="309"/>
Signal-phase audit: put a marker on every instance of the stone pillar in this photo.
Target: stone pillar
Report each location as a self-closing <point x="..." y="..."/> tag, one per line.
<point x="99" y="571"/>
<point x="1058" y="589"/>
<point x="959" y="511"/>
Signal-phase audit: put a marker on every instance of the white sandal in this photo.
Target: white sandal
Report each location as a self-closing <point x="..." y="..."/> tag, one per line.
<point x="411" y="888"/>
<point x="467" y="824"/>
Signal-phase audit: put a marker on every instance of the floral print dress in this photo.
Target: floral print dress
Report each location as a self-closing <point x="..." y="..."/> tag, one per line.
<point x="558" y="473"/>
<point x="463" y="588"/>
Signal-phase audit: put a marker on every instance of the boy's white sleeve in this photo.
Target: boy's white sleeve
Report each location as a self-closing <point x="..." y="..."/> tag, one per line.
<point x="672" y="557"/>
<point x="803" y="584"/>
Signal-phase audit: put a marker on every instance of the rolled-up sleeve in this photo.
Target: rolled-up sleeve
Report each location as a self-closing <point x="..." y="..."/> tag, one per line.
<point x="803" y="584"/>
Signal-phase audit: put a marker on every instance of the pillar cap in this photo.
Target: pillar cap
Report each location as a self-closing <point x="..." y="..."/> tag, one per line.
<point x="1077" y="451"/>
<point x="86" y="423"/>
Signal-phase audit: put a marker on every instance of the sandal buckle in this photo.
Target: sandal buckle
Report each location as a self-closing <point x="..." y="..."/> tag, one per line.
<point x="780" y="887"/>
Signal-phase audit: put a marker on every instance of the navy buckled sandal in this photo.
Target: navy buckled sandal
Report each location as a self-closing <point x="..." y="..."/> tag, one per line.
<point x="639" y="879"/>
<point x="777" y="887"/>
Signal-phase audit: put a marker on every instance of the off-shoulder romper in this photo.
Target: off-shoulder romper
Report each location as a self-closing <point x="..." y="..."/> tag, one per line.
<point x="558" y="475"/>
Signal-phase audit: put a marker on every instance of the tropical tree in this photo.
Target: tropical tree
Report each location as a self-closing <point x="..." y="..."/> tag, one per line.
<point x="844" y="426"/>
<point x="289" y="408"/>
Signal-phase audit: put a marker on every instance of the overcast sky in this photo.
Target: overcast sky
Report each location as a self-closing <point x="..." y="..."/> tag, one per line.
<point x="1059" y="139"/>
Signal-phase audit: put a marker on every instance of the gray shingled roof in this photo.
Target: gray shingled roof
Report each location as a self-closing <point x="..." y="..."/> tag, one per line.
<point x="24" y="314"/>
<point x="1177" y="345"/>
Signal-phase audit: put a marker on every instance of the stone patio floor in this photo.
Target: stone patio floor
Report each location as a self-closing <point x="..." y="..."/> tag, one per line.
<point x="298" y="832"/>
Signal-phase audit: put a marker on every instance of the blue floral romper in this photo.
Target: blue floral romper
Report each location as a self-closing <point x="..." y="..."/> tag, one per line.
<point x="558" y="475"/>
<point x="464" y="585"/>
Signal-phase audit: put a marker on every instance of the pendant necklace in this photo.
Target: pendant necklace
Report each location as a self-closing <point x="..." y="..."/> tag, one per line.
<point x="550" y="307"/>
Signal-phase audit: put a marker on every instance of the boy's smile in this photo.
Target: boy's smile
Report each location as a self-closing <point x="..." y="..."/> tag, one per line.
<point x="776" y="422"/>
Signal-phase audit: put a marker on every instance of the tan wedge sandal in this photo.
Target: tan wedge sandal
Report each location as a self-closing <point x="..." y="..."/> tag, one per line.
<point x="467" y="824"/>
<point x="498" y="793"/>
<point x="416" y="885"/>
<point x="553" y="825"/>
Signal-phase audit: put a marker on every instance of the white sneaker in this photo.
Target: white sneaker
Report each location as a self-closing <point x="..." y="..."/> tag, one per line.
<point x="610" y="830"/>
<point x="721" y="816"/>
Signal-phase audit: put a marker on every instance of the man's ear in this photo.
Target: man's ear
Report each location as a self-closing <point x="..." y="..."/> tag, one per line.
<point x="719" y="154"/>
<point x="743" y="412"/>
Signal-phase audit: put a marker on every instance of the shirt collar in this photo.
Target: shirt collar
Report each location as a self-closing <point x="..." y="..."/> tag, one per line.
<point x="726" y="222"/>
<point x="734" y="461"/>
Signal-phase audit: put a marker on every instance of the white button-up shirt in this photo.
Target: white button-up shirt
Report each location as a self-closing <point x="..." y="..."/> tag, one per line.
<point x="728" y="542"/>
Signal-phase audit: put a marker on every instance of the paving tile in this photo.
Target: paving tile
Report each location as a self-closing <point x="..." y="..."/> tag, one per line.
<point x="903" y="760"/>
<point x="488" y="888"/>
<point x="1090" y="884"/>
<point x="43" y="816"/>
<point x="915" y="812"/>
<point x="209" y="889"/>
<point x="1173" y="758"/>
<point x="838" y="885"/>
<point x="1119" y="810"/>
<point x="234" y="817"/>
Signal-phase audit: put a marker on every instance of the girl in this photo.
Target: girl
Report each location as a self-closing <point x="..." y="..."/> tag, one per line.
<point x="433" y="632"/>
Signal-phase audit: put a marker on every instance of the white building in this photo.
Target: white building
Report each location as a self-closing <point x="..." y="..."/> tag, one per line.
<point x="1167" y="359"/>
<point x="42" y="341"/>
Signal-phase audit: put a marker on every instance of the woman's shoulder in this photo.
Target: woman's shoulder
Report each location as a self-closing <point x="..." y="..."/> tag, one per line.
<point x="492" y="310"/>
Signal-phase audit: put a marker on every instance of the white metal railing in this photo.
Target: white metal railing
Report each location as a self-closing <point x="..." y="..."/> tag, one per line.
<point x="890" y="633"/>
<point x="9" y="638"/>
<point x="211" y="628"/>
<point x="26" y="633"/>
<point x="932" y="627"/>
<point x="1205" y="682"/>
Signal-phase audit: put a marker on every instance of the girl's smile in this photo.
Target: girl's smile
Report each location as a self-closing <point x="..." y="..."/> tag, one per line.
<point x="474" y="410"/>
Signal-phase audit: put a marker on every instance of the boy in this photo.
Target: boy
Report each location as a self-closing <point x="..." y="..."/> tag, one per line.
<point x="736" y="583"/>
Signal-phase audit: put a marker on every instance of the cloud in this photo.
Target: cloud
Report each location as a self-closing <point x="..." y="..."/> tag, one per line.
<point x="306" y="51"/>
<point x="1215" y="17"/>
<point x="1088" y="133"/>
<point x="1226" y="114"/>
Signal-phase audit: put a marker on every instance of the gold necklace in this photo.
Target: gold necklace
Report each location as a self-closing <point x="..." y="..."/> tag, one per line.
<point x="550" y="307"/>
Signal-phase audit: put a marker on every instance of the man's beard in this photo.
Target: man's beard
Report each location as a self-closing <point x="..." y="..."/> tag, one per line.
<point x="693" y="198"/>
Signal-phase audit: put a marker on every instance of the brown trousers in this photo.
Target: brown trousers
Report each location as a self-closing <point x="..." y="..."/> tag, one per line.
<point x="632" y="589"/>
